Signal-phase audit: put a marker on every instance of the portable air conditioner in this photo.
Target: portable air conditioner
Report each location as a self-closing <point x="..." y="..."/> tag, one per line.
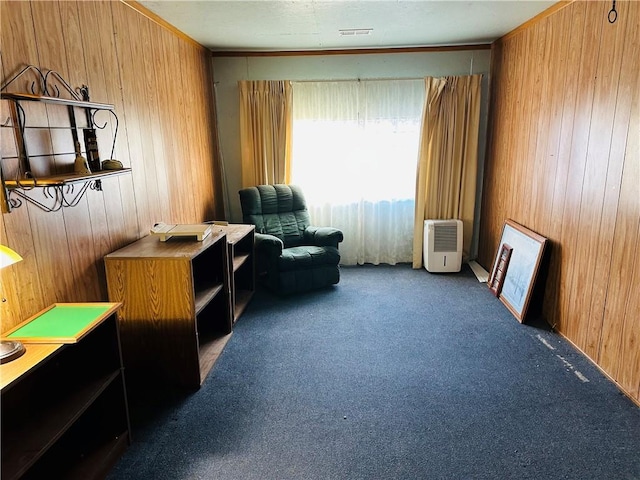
<point x="443" y="245"/>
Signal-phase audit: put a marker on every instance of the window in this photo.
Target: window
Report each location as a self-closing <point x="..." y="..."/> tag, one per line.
<point x="355" y="148"/>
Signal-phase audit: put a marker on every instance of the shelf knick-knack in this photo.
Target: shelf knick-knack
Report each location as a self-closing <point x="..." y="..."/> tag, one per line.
<point x="81" y="166"/>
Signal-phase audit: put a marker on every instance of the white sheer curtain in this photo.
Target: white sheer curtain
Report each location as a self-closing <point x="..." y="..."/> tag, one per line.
<point x="355" y="150"/>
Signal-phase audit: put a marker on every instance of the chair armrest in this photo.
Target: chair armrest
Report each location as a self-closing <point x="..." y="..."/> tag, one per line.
<point x="269" y="245"/>
<point x="323" y="236"/>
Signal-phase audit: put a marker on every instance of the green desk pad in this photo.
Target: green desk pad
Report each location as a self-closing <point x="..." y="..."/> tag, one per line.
<point x="60" y="321"/>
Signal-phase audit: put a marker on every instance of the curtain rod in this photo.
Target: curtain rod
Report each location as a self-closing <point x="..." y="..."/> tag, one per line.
<point x="324" y="80"/>
<point x="382" y="79"/>
<point x="350" y="51"/>
<point x="378" y="79"/>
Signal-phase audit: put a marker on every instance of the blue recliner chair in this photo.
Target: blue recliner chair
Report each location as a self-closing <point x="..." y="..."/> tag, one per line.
<point x="291" y="256"/>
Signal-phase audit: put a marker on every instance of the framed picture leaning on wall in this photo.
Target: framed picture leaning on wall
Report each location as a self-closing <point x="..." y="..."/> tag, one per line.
<point x="520" y="272"/>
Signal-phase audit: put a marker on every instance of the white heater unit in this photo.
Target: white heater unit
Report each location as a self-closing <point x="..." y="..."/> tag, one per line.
<point x="443" y="245"/>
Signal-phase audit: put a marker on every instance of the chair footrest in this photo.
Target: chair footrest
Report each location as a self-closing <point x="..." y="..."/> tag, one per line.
<point x="303" y="257"/>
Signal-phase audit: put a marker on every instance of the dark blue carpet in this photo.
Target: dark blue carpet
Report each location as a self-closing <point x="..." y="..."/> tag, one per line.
<point x="393" y="374"/>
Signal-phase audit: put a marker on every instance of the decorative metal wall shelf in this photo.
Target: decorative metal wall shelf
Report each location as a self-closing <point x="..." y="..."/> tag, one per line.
<point x="61" y="190"/>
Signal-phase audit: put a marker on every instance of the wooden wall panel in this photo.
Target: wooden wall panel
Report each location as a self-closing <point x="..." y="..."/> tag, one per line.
<point x="185" y="149"/>
<point x="594" y="249"/>
<point x="574" y="24"/>
<point x="160" y="86"/>
<point x="167" y="91"/>
<point x="620" y="346"/>
<point x="20" y="283"/>
<point x="563" y="159"/>
<point x="104" y="237"/>
<point x="129" y="56"/>
<point x="122" y="220"/>
<point x="150" y="31"/>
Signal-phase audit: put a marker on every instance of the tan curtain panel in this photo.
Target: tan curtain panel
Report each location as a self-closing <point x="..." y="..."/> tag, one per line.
<point x="265" y="131"/>
<point x="448" y="156"/>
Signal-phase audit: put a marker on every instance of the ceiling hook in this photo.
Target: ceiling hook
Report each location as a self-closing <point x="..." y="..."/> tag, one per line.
<point x="613" y="14"/>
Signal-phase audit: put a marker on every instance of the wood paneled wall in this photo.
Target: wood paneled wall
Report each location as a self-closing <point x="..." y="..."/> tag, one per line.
<point x="161" y="87"/>
<point x="564" y="160"/>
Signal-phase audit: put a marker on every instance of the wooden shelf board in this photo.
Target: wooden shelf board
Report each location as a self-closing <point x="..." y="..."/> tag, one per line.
<point x="237" y="232"/>
<point x="151" y="248"/>
<point x="243" y="297"/>
<point x="56" y="101"/>
<point x="239" y="260"/>
<point x="210" y="350"/>
<point x="100" y="461"/>
<point x="45" y="427"/>
<point x="32" y="358"/>
<point x="205" y="295"/>
<point x="63" y="179"/>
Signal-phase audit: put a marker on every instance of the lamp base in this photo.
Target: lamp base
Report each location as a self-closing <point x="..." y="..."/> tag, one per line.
<point x="10" y="350"/>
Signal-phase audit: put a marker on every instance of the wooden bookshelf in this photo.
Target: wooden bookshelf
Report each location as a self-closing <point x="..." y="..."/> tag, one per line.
<point x="175" y="317"/>
<point x="240" y="245"/>
<point x="64" y="406"/>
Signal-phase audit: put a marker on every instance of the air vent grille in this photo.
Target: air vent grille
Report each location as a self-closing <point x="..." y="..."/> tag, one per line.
<point x="352" y="32"/>
<point x="445" y="238"/>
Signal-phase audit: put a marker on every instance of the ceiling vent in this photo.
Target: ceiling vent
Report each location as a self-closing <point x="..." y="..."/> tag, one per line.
<point x="353" y="32"/>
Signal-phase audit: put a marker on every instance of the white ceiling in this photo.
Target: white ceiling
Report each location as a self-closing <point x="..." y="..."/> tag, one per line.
<point x="273" y="25"/>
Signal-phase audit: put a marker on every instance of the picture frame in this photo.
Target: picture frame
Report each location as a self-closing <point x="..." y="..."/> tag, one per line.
<point x="500" y="269"/>
<point x="527" y="250"/>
